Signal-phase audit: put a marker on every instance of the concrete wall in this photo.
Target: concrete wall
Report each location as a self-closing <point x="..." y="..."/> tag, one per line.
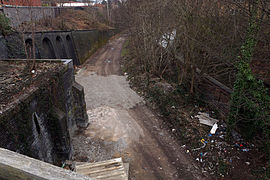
<point x="39" y="122"/>
<point x="18" y="15"/>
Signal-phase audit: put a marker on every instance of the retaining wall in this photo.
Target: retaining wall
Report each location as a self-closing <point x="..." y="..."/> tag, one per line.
<point x="40" y="121"/>
<point x="53" y="45"/>
<point x="87" y="42"/>
<point x="3" y="48"/>
<point x="18" y="15"/>
<point x="75" y="45"/>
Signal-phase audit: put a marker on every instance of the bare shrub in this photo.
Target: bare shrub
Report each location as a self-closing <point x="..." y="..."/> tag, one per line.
<point x="209" y="35"/>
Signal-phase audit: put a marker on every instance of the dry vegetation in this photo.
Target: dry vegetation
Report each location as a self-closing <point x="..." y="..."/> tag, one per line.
<point x="15" y="78"/>
<point x="209" y="36"/>
<point x="224" y="39"/>
<point x="71" y="20"/>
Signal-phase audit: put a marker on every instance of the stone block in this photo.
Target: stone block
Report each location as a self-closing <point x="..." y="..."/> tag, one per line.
<point x="79" y="106"/>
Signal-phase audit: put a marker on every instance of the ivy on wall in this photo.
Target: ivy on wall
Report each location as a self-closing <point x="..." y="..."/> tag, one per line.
<point x="4" y="25"/>
<point x="250" y="102"/>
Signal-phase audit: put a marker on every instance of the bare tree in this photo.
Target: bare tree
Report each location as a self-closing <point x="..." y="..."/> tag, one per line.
<point x="29" y="48"/>
<point x="209" y="35"/>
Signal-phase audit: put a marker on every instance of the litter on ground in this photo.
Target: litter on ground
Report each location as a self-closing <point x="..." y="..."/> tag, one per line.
<point x="205" y="119"/>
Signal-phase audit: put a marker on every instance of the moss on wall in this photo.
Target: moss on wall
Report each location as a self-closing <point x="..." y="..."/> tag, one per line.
<point x="17" y="130"/>
<point x="15" y="46"/>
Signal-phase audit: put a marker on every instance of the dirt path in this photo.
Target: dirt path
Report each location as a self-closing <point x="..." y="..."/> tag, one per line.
<point x="122" y="126"/>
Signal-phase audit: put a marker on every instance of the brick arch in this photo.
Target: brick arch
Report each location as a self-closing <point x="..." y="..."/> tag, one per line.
<point x="71" y="50"/>
<point x="29" y="49"/>
<point x="48" y="48"/>
<point x="61" y="48"/>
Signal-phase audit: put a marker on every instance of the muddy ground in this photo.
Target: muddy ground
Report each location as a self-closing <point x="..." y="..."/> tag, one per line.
<point x="122" y="126"/>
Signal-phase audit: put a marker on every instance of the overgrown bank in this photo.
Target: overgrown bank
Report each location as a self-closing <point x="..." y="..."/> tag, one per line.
<point x="201" y="51"/>
<point x="178" y="108"/>
<point x="71" y="20"/>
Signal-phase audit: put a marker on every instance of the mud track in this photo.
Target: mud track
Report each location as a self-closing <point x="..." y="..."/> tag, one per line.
<point x="122" y="126"/>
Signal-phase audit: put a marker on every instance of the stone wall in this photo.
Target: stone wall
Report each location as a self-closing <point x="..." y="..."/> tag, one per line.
<point x="3" y="48"/>
<point x="87" y="42"/>
<point x="14" y="46"/>
<point x="40" y="121"/>
<point x="75" y="45"/>
<point x="53" y="45"/>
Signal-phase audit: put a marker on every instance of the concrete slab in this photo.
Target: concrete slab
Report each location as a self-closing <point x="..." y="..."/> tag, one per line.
<point x="14" y="166"/>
